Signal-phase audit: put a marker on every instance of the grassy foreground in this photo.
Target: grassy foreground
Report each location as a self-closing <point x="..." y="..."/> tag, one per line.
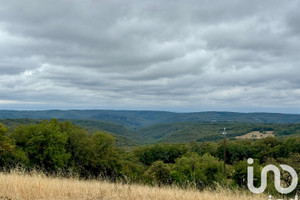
<point x="38" y="186"/>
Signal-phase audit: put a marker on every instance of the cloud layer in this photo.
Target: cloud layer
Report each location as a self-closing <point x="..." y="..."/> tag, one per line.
<point x="171" y="55"/>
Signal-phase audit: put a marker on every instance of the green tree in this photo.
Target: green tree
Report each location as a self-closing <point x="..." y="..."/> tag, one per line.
<point x="100" y="157"/>
<point x="132" y="169"/>
<point x="5" y="143"/>
<point x="199" y="170"/>
<point x="159" y="172"/>
<point x="235" y="151"/>
<point x="204" y="147"/>
<point x="239" y="174"/>
<point x="268" y="148"/>
<point x="44" y="144"/>
<point x="6" y="146"/>
<point x="290" y="146"/>
<point x="167" y="153"/>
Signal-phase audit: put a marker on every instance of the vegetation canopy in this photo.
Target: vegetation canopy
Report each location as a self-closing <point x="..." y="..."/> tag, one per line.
<point x="61" y="147"/>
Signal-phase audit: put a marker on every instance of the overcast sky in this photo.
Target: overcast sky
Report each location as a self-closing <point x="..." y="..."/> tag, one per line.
<point x="185" y="56"/>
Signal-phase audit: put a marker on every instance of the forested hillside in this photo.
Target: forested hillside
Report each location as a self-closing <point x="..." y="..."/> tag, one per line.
<point x="138" y="119"/>
<point x="171" y="132"/>
<point x="61" y="147"/>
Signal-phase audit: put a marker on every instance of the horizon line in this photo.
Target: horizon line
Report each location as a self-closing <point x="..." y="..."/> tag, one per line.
<point x="149" y="110"/>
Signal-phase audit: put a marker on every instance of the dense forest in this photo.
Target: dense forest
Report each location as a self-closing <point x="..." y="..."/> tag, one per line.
<point x="62" y="147"/>
<point x="139" y="119"/>
<point x="175" y="132"/>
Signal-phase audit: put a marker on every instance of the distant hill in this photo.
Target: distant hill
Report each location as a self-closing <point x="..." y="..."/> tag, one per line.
<point x="173" y="132"/>
<point x="138" y="119"/>
<point x="145" y="127"/>
<point x="212" y="131"/>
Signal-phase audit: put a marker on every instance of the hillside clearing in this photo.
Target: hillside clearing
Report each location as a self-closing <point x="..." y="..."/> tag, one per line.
<point x="257" y="135"/>
<point x="37" y="186"/>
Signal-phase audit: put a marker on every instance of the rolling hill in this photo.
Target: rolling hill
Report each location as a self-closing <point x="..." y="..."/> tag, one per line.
<point x="145" y="127"/>
<point x="137" y="119"/>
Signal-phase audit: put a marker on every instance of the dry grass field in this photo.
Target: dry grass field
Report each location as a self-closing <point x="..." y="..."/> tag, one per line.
<point x="257" y="135"/>
<point x="38" y="186"/>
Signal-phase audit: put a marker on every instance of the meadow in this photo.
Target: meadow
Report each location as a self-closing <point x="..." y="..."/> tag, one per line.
<point x="19" y="185"/>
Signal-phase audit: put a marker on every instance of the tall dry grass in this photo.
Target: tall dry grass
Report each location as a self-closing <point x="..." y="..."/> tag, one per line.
<point x="18" y="185"/>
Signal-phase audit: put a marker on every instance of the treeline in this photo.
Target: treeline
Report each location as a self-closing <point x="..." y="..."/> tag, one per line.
<point x="61" y="147"/>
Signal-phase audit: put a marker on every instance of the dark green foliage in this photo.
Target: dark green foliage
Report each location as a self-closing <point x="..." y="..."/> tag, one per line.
<point x="235" y="151"/>
<point x="44" y="144"/>
<point x="57" y="145"/>
<point x="177" y="132"/>
<point x="202" y="171"/>
<point x="14" y="123"/>
<point x="132" y="169"/>
<point x="6" y="146"/>
<point x="136" y="119"/>
<point x="124" y="136"/>
<point x="5" y="143"/>
<point x="60" y="146"/>
<point x="204" y="147"/>
<point x="167" y="153"/>
<point x="291" y="145"/>
<point x="210" y="131"/>
<point x="100" y="155"/>
<point x="239" y="173"/>
<point x="159" y="173"/>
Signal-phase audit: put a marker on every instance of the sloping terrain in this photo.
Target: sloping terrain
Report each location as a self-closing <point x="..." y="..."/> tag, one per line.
<point x="256" y="135"/>
<point x="138" y="119"/>
<point x="202" y="131"/>
<point x="169" y="132"/>
<point x="124" y="136"/>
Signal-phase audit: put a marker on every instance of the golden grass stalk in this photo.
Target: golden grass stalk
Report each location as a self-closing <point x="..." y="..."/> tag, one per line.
<point x="32" y="186"/>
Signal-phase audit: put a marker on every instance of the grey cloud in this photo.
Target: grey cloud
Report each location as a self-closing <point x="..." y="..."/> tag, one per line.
<point x="236" y="55"/>
<point x="292" y="19"/>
